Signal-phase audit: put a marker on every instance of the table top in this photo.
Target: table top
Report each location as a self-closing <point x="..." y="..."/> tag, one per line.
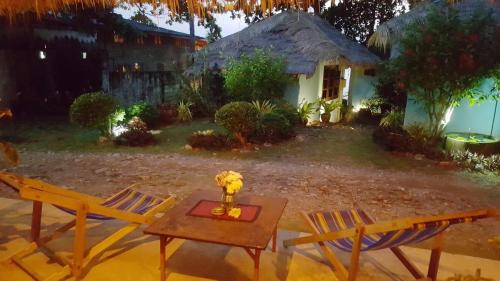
<point x="177" y="224"/>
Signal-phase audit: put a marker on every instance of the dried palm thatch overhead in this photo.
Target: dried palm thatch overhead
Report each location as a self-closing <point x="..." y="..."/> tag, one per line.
<point x="194" y="7"/>
<point x="302" y="39"/>
<point x="390" y="31"/>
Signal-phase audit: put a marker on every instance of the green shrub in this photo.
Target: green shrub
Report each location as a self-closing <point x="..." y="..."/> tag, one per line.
<point x="94" y="110"/>
<point x="258" y="77"/>
<point x="290" y="113"/>
<point x="240" y="118"/>
<point x="146" y="112"/>
<point x="274" y="127"/>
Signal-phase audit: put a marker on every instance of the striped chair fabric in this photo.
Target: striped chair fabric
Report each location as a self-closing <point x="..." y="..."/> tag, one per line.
<point x="339" y="220"/>
<point x="128" y="200"/>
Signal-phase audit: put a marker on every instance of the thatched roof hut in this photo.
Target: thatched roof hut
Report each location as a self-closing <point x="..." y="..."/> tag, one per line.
<point x="389" y="32"/>
<point x="304" y="40"/>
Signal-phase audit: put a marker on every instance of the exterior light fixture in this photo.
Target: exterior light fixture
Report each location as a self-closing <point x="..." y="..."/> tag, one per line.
<point x="84" y="55"/>
<point x="42" y="55"/>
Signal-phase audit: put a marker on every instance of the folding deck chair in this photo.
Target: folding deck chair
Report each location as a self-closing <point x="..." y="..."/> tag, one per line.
<point x="354" y="231"/>
<point x="128" y="205"/>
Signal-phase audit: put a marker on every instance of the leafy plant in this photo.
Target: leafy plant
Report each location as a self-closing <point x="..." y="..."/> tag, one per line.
<point x="136" y="135"/>
<point x="184" y="111"/>
<point x="260" y="76"/>
<point x="263" y="107"/>
<point x="305" y="110"/>
<point x="290" y="113"/>
<point x="393" y="119"/>
<point x="146" y="112"/>
<point x="477" y="162"/>
<point x="444" y="57"/>
<point x="328" y="106"/>
<point x="374" y="104"/>
<point x="9" y="152"/>
<point x="240" y="118"/>
<point x="94" y="110"/>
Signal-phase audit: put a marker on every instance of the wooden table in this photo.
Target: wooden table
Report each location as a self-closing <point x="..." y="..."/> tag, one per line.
<point x="251" y="236"/>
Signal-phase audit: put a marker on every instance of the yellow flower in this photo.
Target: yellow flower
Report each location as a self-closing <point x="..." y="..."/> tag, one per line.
<point x="232" y="181"/>
<point x="234" y="212"/>
<point x="234" y="186"/>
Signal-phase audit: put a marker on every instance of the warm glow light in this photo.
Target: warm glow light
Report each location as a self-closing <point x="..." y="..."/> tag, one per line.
<point x="42" y="55"/>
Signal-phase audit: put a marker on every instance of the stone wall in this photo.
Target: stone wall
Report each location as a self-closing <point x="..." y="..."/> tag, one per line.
<point x="154" y="87"/>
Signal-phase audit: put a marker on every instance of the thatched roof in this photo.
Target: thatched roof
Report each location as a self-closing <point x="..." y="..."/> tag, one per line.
<point x="197" y="7"/>
<point x="390" y="31"/>
<point x="302" y="39"/>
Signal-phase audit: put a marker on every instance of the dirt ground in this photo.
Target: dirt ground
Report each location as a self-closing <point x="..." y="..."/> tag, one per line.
<point x="309" y="185"/>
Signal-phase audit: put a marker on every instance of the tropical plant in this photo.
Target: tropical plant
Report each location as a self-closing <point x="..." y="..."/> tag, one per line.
<point x="209" y="140"/>
<point x="289" y="112"/>
<point x="305" y="110"/>
<point x="94" y="110"/>
<point x="393" y="119"/>
<point x="260" y="76"/>
<point x="240" y="118"/>
<point x="374" y="104"/>
<point x="8" y="150"/>
<point x="444" y="58"/>
<point x="264" y="107"/>
<point x="214" y="30"/>
<point x="184" y="111"/>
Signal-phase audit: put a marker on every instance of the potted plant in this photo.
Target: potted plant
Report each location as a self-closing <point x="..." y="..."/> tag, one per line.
<point x="305" y="109"/>
<point x="328" y="107"/>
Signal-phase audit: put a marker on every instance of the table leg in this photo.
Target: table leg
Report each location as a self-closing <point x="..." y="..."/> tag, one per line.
<point x="256" y="262"/>
<point x="163" y="246"/>
<point x="275" y="234"/>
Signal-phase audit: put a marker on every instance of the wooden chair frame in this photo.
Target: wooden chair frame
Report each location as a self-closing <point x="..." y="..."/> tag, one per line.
<point x="40" y="192"/>
<point x="356" y="233"/>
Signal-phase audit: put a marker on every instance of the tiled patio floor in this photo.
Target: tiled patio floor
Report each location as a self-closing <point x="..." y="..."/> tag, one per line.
<point x="136" y="257"/>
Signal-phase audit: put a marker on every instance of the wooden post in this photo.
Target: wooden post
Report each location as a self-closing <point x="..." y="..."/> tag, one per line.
<point x="36" y="221"/>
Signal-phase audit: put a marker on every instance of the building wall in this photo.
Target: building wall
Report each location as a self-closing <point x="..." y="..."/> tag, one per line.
<point x="361" y="87"/>
<point x="464" y="118"/>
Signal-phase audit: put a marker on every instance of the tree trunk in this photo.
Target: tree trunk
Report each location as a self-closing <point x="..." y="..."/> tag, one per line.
<point x="191" y="33"/>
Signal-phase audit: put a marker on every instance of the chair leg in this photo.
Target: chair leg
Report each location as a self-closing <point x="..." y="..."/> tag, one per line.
<point x="356" y="249"/>
<point x="79" y="243"/>
<point x="36" y="221"/>
<point x="437" y="248"/>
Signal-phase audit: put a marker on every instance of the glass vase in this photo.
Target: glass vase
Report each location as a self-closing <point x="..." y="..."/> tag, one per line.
<point x="228" y="200"/>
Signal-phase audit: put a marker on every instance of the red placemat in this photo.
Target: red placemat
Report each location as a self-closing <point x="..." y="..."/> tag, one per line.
<point x="203" y="208"/>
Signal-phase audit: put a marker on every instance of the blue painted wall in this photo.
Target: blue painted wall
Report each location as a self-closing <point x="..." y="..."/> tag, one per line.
<point x="476" y="118"/>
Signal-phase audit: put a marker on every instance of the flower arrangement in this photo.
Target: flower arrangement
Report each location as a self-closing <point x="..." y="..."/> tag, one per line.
<point x="230" y="181"/>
